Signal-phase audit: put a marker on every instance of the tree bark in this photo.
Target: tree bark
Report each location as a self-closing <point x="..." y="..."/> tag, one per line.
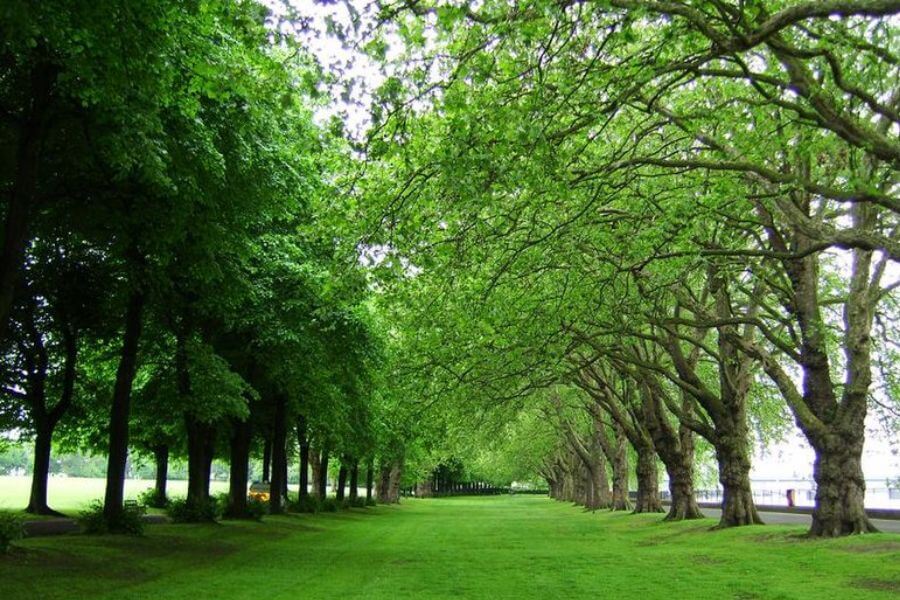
<point x="738" y="508"/>
<point x="647" y="482"/>
<point x="279" y="458"/>
<point x="370" y="480"/>
<point x="341" y="482"/>
<point x="840" y="489"/>
<point x="315" y="465"/>
<point x="37" y="503"/>
<point x="620" y="471"/>
<point x="239" y="469"/>
<point x="323" y="474"/>
<point x="120" y="411"/>
<point x="198" y="446"/>
<point x="267" y="460"/>
<point x="303" y="441"/>
<point x="354" y="480"/>
<point x="161" y="458"/>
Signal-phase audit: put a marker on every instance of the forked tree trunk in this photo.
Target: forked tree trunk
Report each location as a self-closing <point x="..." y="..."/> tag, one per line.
<point x="647" y="482"/>
<point x="113" y="502"/>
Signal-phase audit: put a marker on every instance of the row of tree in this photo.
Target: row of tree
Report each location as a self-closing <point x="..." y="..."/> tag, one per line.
<point x="177" y="277"/>
<point x="680" y="217"/>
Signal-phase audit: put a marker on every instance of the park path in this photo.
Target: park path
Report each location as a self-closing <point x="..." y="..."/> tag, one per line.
<point x="777" y="518"/>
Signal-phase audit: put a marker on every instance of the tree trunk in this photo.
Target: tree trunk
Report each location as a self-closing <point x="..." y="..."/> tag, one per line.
<point x="37" y="503"/>
<point x="279" y="458"/>
<point x="647" y="482"/>
<point x="161" y="458"/>
<point x="354" y="481"/>
<point x="267" y="460"/>
<point x="120" y="410"/>
<point x="738" y="507"/>
<point x="303" y="440"/>
<point x="315" y="465"/>
<point x="323" y="474"/>
<point x="341" y="482"/>
<point x="370" y="480"/>
<point x="619" y="463"/>
<point x="394" y="481"/>
<point x="840" y="489"/>
<point x="239" y="469"/>
<point x="198" y="434"/>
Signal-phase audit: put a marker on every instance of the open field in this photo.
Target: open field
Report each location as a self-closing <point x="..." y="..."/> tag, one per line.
<point x="496" y="547"/>
<point x="72" y="494"/>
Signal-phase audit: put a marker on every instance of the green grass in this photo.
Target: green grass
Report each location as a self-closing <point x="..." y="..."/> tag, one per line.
<point x="499" y="547"/>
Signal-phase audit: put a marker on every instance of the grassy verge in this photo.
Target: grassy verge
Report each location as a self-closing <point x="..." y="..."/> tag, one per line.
<point x="464" y="547"/>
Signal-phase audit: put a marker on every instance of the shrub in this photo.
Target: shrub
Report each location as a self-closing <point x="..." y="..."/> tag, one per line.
<point x="329" y="505"/>
<point x="257" y="509"/>
<point x="151" y="498"/>
<point x="307" y="504"/>
<point x="130" y="521"/>
<point x="204" y="511"/>
<point x="371" y="502"/>
<point x="12" y="528"/>
<point x="354" y="503"/>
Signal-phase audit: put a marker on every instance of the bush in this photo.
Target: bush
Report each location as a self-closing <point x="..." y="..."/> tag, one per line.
<point x="130" y="522"/>
<point x="307" y="504"/>
<point x="371" y="502"/>
<point x="12" y="528"/>
<point x="257" y="509"/>
<point x="205" y="511"/>
<point x="151" y="498"/>
<point x="329" y="505"/>
<point x="354" y="503"/>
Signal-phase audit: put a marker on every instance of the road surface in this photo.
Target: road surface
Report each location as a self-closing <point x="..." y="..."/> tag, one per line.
<point x="775" y="518"/>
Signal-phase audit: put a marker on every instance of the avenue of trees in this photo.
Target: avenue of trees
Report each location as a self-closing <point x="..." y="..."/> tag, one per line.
<point x="578" y="241"/>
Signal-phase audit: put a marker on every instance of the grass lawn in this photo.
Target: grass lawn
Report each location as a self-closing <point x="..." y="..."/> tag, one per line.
<point x="69" y="495"/>
<point x="498" y="547"/>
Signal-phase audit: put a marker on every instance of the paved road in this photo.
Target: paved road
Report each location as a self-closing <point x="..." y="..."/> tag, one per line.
<point x="775" y="518"/>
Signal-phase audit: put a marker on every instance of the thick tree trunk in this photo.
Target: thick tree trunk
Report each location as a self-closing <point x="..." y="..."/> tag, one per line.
<point x="239" y="469"/>
<point x="681" y="488"/>
<point x="198" y="444"/>
<point x="423" y="489"/>
<point x="121" y="409"/>
<point x="303" y="440"/>
<point x="279" y="458"/>
<point x="354" y="480"/>
<point x="738" y="508"/>
<point x="37" y="503"/>
<point x="341" y="482"/>
<point x="161" y="458"/>
<point x="394" y="481"/>
<point x="619" y="464"/>
<point x="647" y="482"/>
<point x="840" y="489"/>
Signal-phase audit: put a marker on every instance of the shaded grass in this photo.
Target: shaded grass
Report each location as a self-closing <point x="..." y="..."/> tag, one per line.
<point x="498" y="547"/>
